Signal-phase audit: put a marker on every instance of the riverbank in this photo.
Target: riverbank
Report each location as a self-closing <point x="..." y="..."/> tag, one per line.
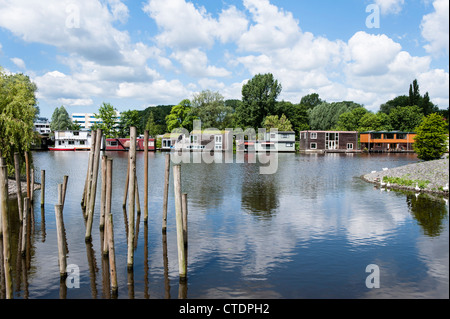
<point x="12" y="187"/>
<point x="431" y="176"/>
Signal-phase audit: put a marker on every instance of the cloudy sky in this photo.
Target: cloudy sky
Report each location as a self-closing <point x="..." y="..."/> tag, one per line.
<point x="135" y="54"/>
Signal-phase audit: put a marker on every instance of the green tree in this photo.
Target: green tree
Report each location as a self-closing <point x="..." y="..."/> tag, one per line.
<point x="127" y="119"/>
<point x="60" y="120"/>
<point x="210" y="108"/>
<point x="180" y="116"/>
<point x="374" y="122"/>
<point x="430" y="141"/>
<point x="259" y="96"/>
<point x="310" y="101"/>
<point x="398" y="101"/>
<point x="350" y="121"/>
<point x="17" y="112"/>
<point x="108" y="114"/>
<point x="281" y="123"/>
<point x="406" y="118"/>
<point x="153" y="128"/>
<point x="326" y="115"/>
<point x="296" y="113"/>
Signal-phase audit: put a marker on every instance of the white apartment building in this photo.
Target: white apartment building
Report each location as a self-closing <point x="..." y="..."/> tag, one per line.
<point x="86" y="120"/>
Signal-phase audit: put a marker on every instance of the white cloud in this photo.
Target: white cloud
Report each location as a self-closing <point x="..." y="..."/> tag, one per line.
<point x="195" y="63"/>
<point x="19" y="63"/>
<point x="390" y="6"/>
<point x="435" y="28"/>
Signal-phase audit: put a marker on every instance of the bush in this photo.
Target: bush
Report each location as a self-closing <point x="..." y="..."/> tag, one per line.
<point x="430" y="141"/>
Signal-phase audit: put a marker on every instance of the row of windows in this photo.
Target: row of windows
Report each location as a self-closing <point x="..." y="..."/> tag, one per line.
<point x="70" y="142"/>
<point x="313" y="146"/>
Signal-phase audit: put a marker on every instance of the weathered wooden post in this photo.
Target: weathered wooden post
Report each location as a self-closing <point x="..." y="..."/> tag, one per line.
<point x="179" y="221"/>
<point x="138" y="203"/>
<point x="110" y="228"/>
<point x="166" y="191"/>
<point x="127" y="180"/>
<point x="32" y="187"/>
<point x="184" y="208"/>
<point x="87" y="185"/>
<point x="61" y="244"/>
<point x="27" y="166"/>
<point x="42" y="187"/>
<point x="18" y="184"/>
<point x="145" y="176"/>
<point x="5" y="228"/>
<point x="26" y="208"/>
<point x="103" y="193"/>
<point x="64" y="189"/>
<point x="93" y="190"/>
<point x="131" y="197"/>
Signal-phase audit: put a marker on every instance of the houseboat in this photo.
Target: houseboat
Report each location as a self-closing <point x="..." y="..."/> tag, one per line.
<point x="384" y="141"/>
<point x="123" y="144"/>
<point x="72" y="141"/>
<point x="277" y="142"/>
<point x="328" y="141"/>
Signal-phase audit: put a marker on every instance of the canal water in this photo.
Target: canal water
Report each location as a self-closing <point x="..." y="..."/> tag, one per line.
<point x="313" y="229"/>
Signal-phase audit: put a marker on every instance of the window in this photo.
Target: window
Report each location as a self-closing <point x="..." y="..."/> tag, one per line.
<point x="376" y="135"/>
<point x="313" y="146"/>
<point x="289" y="144"/>
<point x="76" y="133"/>
<point x="313" y="136"/>
<point x="113" y="143"/>
<point x="284" y="135"/>
<point x="218" y="147"/>
<point x="272" y="135"/>
<point x="71" y="142"/>
<point x="389" y="136"/>
<point x="349" y="146"/>
<point x="59" y="142"/>
<point x="81" y="142"/>
<point x="218" y="139"/>
<point x="401" y="136"/>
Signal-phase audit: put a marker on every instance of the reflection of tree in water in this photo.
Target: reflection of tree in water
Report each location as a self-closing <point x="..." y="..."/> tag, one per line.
<point x="428" y="211"/>
<point x="260" y="196"/>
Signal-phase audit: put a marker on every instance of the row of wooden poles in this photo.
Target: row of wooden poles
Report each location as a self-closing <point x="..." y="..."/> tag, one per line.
<point x="131" y="197"/>
<point x="24" y="208"/>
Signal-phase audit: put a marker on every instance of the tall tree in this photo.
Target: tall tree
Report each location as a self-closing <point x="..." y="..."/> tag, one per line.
<point x="406" y="118"/>
<point x="60" y="120"/>
<point x="127" y="119"/>
<point x="108" y="114"/>
<point x="280" y="123"/>
<point x="17" y="111"/>
<point x="259" y="96"/>
<point x="431" y="138"/>
<point x="180" y="116"/>
<point x="311" y="100"/>
<point x="211" y="109"/>
<point x="326" y="115"/>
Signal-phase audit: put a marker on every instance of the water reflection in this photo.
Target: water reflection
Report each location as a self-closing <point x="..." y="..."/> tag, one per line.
<point x="307" y="231"/>
<point x="429" y="212"/>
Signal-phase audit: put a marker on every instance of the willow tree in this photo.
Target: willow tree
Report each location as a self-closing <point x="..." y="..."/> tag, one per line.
<point x="17" y="112"/>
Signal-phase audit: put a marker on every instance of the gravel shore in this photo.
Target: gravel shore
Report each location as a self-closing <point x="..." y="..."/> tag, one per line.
<point x="436" y="172"/>
<point x="12" y="187"/>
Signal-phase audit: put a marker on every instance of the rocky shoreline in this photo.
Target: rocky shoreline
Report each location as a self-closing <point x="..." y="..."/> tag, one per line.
<point x="436" y="173"/>
<point x="12" y="187"/>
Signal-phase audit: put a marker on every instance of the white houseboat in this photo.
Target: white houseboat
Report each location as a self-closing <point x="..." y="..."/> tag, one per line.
<point x="72" y="141"/>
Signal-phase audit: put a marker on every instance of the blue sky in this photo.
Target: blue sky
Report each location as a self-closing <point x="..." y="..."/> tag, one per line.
<point x="135" y="54"/>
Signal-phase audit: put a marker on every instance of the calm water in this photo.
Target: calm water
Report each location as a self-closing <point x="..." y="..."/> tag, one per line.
<point x="308" y="231"/>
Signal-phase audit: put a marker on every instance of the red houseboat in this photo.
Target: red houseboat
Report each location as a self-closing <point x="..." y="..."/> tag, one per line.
<point x="123" y="144"/>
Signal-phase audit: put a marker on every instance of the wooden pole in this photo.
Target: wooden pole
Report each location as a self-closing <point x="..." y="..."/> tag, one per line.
<point x="42" y="187"/>
<point x="179" y="221"/>
<point x="166" y="191"/>
<point x="32" y="187"/>
<point x="60" y="236"/>
<point x="127" y="180"/>
<point x="64" y="189"/>
<point x="5" y="227"/>
<point x="26" y="208"/>
<point x="184" y="208"/>
<point x="90" y="219"/>
<point x="145" y="176"/>
<point x="87" y="184"/>
<point x="110" y="228"/>
<point x="18" y="185"/>
<point x="27" y="165"/>
<point x="138" y="204"/>
<point x="103" y="193"/>
<point x="131" y="197"/>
